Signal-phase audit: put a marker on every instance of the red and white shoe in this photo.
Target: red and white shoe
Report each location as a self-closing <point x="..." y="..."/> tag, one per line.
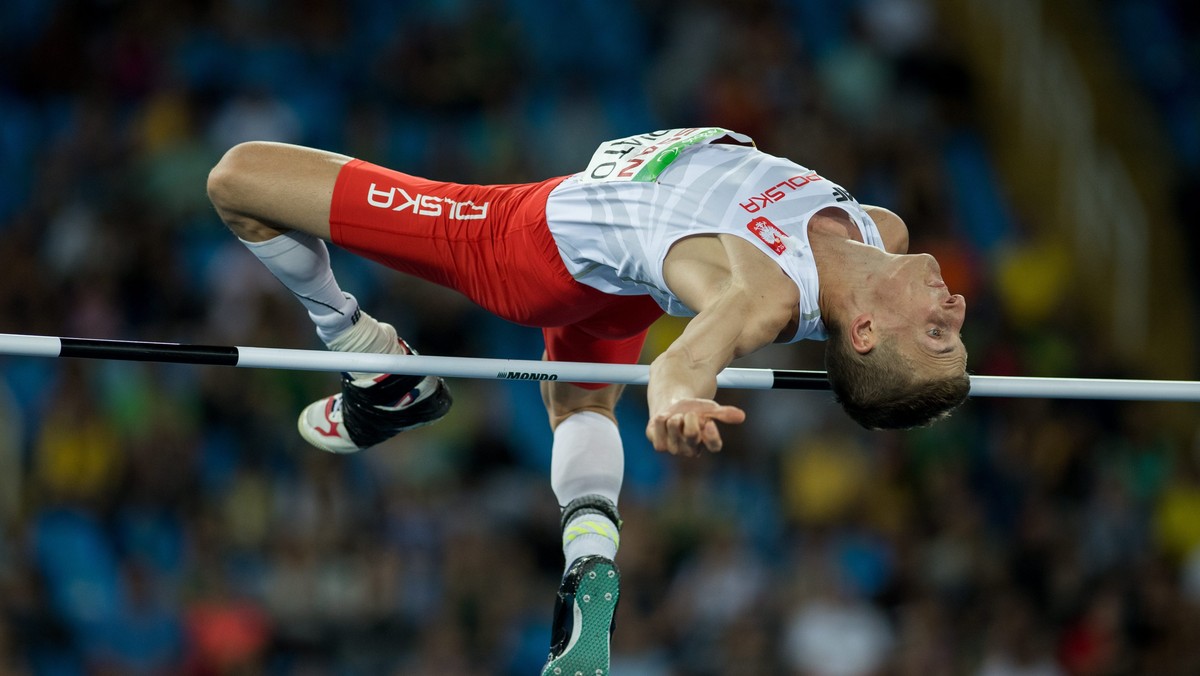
<point x="372" y="407"/>
<point x="370" y="411"/>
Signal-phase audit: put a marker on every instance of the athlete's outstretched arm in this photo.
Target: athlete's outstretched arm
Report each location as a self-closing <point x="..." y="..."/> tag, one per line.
<point x="683" y="379"/>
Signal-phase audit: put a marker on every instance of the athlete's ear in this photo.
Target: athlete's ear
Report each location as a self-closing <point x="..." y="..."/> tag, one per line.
<point x="862" y="333"/>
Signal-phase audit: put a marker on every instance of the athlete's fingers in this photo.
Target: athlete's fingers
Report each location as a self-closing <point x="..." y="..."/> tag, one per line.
<point x="684" y="433"/>
<point x="676" y="442"/>
<point x="653" y="437"/>
<point x="691" y="425"/>
<point x="727" y="414"/>
<point x="705" y="434"/>
<point x="688" y="433"/>
<point x="666" y="433"/>
<point x="656" y="431"/>
<point x="695" y="433"/>
<point x="671" y="424"/>
<point x="711" y="437"/>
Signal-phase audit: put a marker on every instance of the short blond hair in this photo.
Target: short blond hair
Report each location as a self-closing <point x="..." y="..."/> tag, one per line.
<point x="883" y="390"/>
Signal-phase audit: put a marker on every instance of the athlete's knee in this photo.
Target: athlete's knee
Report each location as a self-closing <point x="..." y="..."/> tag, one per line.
<point x="227" y="180"/>
<point x="564" y="400"/>
<point x="230" y="191"/>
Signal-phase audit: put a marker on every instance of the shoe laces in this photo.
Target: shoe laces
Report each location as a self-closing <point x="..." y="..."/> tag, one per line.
<point x="335" y="411"/>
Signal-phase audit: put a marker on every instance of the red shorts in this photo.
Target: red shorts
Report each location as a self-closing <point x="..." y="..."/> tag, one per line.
<point x="490" y="243"/>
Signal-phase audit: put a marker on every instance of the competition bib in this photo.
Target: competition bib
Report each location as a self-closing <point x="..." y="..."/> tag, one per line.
<point x="644" y="156"/>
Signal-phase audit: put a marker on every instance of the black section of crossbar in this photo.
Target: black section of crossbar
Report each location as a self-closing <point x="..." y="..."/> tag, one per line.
<point x="800" y="380"/>
<point x="129" y="350"/>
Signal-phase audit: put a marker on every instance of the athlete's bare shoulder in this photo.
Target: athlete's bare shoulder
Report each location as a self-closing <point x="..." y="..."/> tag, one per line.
<point x="891" y="228"/>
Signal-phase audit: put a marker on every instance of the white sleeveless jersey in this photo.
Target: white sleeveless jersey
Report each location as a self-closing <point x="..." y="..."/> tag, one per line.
<point x="615" y="221"/>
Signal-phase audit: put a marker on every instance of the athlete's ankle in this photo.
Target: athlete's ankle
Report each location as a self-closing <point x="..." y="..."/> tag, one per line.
<point x="334" y="322"/>
<point x="591" y="527"/>
<point x="368" y="335"/>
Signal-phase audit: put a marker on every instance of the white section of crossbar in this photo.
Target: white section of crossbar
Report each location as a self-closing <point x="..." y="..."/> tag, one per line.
<point x="30" y="346"/>
<point x="735" y="378"/>
<point x="462" y="367"/>
<point x="1084" y="388"/>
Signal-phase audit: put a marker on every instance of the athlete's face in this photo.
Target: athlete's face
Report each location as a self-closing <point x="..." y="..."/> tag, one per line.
<point x="918" y="309"/>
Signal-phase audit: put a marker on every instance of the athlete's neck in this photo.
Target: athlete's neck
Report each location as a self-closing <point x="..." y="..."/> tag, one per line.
<point x="845" y="270"/>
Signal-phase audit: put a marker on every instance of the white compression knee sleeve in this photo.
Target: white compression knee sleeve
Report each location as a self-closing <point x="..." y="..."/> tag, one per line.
<point x="587" y="460"/>
<point x="301" y="262"/>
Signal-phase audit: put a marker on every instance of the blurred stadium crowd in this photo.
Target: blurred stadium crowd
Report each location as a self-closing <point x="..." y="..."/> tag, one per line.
<point x="168" y="520"/>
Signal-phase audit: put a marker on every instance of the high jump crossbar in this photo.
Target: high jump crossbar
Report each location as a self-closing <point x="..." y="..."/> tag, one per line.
<point x="583" y="372"/>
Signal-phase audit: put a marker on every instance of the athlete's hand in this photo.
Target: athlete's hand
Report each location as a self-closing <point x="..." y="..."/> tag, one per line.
<point x="690" y="425"/>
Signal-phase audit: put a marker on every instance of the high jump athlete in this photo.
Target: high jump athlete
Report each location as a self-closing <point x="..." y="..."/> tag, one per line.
<point x="692" y="222"/>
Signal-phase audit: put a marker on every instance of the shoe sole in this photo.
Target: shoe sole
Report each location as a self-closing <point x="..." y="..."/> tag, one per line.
<point x="587" y="653"/>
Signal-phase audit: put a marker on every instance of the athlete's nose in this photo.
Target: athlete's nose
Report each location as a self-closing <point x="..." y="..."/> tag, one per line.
<point x="957" y="305"/>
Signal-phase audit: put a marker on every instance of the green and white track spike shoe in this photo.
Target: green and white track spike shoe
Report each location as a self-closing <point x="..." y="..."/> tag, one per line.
<point x="584" y="618"/>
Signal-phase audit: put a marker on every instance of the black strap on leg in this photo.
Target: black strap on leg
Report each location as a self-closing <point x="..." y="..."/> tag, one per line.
<point x="591" y="504"/>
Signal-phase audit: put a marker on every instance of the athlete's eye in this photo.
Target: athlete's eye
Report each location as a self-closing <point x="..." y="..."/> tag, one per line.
<point x="936" y="333"/>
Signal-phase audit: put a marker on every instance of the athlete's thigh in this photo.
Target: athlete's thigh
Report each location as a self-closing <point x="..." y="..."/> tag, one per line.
<point x="284" y="186"/>
<point x="489" y="242"/>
